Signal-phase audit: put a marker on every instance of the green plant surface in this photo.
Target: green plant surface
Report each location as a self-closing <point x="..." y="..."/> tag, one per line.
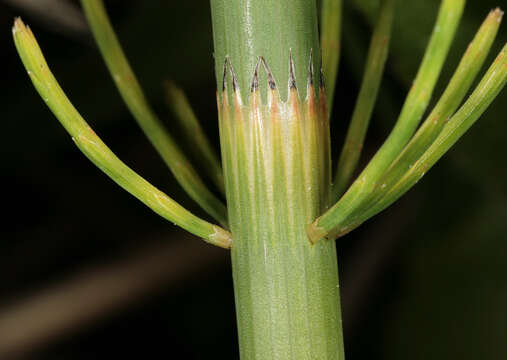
<point x="375" y="62"/>
<point x="459" y="85"/>
<point x="286" y="290"/>
<point x="194" y="134"/>
<point x="93" y="147"/>
<point x="135" y="100"/>
<point x="489" y="87"/>
<point x="243" y="31"/>
<point x="330" y="44"/>
<point x="415" y="104"/>
<point x="274" y="133"/>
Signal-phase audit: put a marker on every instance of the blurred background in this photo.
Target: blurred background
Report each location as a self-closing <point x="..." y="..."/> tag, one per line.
<point x="88" y="272"/>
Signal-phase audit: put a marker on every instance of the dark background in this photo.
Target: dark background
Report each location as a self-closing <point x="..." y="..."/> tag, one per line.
<point x="88" y="272"/>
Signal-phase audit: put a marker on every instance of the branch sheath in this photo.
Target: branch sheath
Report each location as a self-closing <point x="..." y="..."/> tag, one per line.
<point x="93" y="147"/>
<point x="151" y="125"/>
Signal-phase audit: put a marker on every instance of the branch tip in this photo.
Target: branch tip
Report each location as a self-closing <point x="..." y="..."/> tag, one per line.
<point x="498" y="13"/>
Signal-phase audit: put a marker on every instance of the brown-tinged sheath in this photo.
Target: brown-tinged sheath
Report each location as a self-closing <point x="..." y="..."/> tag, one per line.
<point x="255" y="104"/>
<point x="293" y="99"/>
<point x="310" y="92"/>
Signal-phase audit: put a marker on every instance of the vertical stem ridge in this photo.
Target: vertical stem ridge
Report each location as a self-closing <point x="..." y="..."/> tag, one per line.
<point x="285" y="289"/>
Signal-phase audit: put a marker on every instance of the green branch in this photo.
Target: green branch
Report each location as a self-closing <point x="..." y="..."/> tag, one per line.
<point x="411" y="113"/>
<point x="133" y="96"/>
<point x="459" y="85"/>
<point x="375" y="61"/>
<point x="489" y="87"/>
<point x="330" y="38"/>
<point x="194" y="134"/>
<point x="93" y="147"/>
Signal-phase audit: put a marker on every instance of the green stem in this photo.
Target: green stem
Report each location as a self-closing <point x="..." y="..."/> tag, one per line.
<point x="151" y="125"/>
<point x="93" y="147"/>
<point x="244" y="30"/>
<point x="274" y="139"/>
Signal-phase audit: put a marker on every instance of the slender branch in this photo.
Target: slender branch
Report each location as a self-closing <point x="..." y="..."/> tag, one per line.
<point x="375" y="61"/>
<point x="460" y="83"/>
<point x="194" y="134"/>
<point x="411" y="113"/>
<point x="489" y="87"/>
<point x="93" y="147"/>
<point x="330" y="38"/>
<point x="151" y="125"/>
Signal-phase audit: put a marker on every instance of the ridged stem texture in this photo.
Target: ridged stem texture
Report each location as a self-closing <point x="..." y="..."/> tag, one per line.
<point x="274" y="134"/>
<point x="286" y="289"/>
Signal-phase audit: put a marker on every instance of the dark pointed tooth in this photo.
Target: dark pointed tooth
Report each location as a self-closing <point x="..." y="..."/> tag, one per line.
<point x="292" y="77"/>
<point x="310" y="69"/>
<point x="234" y="78"/>
<point x="255" y="80"/>
<point x="271" y="80"/>
<point x="224" y="77"/>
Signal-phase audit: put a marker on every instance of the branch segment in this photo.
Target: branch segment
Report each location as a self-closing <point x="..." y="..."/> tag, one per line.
<point x="195" y="134"/>
<point x="436" y="135"/>
<point x="93" y="147"/>
<point x="460" y="83"/>
<point x="330" y="38"/>
<point x="133" y="96"/>
<point x="377" y="55"/>
<point x="411" y="113"/>
<point x="489" y="87"/>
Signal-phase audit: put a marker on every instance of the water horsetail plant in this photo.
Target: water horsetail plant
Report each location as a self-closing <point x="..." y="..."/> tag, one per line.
<point x="275" y="170"/>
